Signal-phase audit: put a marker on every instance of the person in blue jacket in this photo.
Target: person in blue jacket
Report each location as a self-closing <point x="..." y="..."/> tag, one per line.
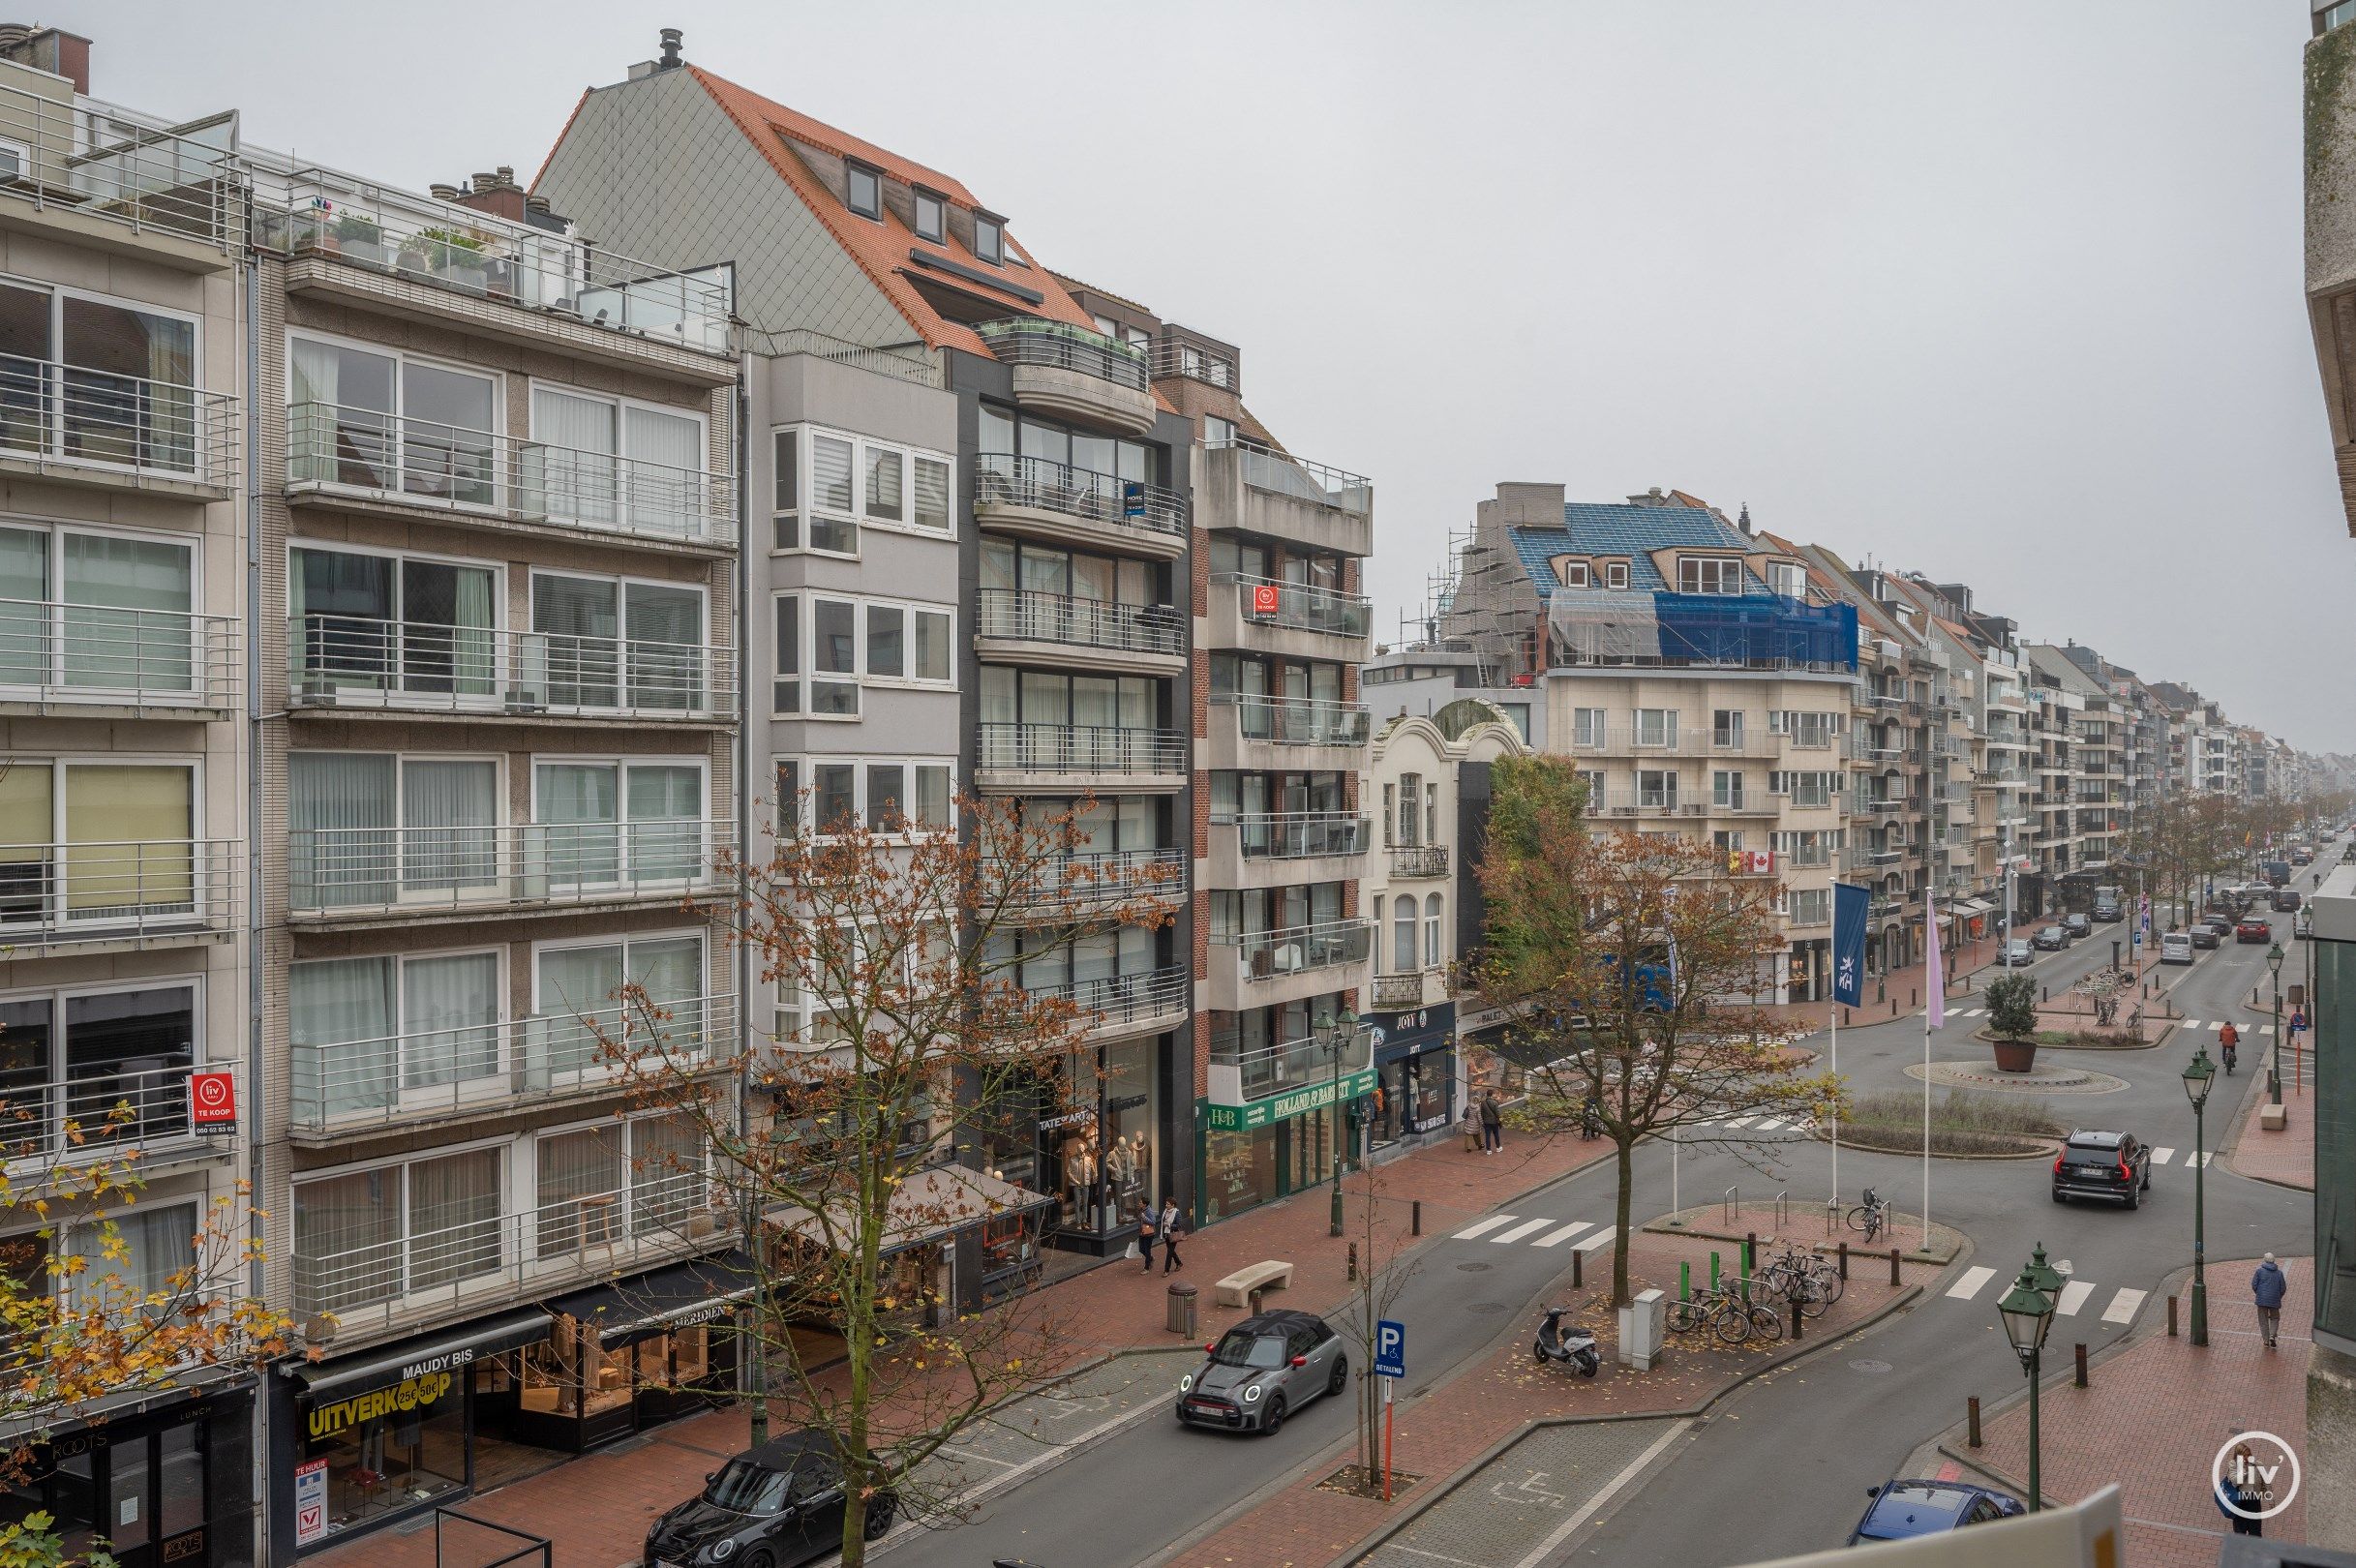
<point x="2267" y="1288"/>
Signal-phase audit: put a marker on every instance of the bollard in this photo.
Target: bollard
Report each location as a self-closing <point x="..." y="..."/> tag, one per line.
<point x="1713" y="1267"/>
<point x="1685" y="1282"/>
<point x="2081" y="1364"/>
<point x="1354" y="1262"/>
<point x="1844" y="1260"/>
<point x="2048" y="996"/>
<point x="1795" y="1318"/>
<point x="1416" y="1224"/>
<point x="1893" y="1007"/>
<point x="1893" y="1269"/>
<point x="1577" y="1271"/>
<point x="1914" y="997"/>
<point x="1845" y="1016"/>
<point x="1255" y="1299"/>
<point x="2171" y="1317"/>
<point x="1971" y="1419"/>
<point x="1750" y="1252"/>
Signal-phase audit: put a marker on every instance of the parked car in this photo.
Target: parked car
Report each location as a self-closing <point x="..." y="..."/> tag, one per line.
<point x="2175" y="948"/>
<point x="2254" y="930"/>
<point x="2285" y="899"/>
<point x="2106" y="912"/>
<point x="2303" y="856"/>
<point x="1262" y="1370"/>
<point x="1904" y="1509"/>
<point x="2017" y="953"/>
<point x="779" y="1503"/>
<point x="2209" y="933"/>
<point x="2051" y="939"/>
<point x="2078" y="926"/>
<point x="2114" y="1165"/>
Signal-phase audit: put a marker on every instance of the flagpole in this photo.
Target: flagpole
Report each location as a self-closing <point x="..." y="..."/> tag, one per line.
<point x="1832" y="1022"/>
<point x="1934" y="997"/>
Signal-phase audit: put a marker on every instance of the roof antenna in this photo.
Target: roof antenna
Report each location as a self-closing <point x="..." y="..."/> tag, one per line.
<point x="670" y="60"/>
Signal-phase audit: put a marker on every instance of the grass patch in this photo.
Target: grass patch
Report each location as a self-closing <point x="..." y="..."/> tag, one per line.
<point x="1963" y="1123"/>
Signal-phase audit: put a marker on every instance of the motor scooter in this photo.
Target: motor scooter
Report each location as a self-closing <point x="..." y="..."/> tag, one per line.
<point x="1573" y="1348"/>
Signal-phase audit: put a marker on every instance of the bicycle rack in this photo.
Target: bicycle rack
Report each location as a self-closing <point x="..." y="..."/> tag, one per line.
<point x="1832" y="1215"/>
<point x="1733" y="1200"/>
<point x="1781" y="1217"/>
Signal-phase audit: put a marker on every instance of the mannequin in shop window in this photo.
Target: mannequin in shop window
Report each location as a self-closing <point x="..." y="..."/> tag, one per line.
<point x="1120" y="1174"/>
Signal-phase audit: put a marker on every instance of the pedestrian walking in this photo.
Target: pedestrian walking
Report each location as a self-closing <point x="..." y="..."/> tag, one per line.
<point x="1472" y="1127"/>
<point x="2267" y="1288"/>
<point x="2233" y="1489"/>
<point x="1145" y="1239"/>
<point x="1173" y="1226"/>
<point x="1493" y="1124"/>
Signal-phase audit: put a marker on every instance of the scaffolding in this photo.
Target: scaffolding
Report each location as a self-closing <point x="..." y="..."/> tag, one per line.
<point x="1755" y="631"/>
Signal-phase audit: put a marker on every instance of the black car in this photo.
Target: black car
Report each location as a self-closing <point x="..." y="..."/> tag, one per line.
<point x="2107" y="913"/>
<point x="2114" y="1165"/>
<point x="2078" y="926"/>
<point x="2285" y="899"/>
<point x="2209" y="933"/>
<point x="1262" y="1370"/>
<point x="774" y="1506"/>
<point x="2051" y="939"/>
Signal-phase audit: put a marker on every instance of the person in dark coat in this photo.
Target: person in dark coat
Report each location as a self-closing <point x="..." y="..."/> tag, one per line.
<point x="2267" y="1288"/>
<point x="1173" y="1228"/>
<point x="1493" y="1124"/>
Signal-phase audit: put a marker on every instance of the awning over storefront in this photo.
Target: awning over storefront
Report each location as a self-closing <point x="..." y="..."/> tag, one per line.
<point x="929" y="1204"/>
<point x="1972" y="906"/>
<point x="681" y="1296"/>
<point x="450" y="1348"/>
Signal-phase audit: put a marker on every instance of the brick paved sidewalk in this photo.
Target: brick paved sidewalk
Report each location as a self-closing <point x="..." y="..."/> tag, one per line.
<point x="595" y="1510"/>
<point x="2286" y="1157"/>
<point x="2156" y="1411"/>
<point x="1497" y="1395"/>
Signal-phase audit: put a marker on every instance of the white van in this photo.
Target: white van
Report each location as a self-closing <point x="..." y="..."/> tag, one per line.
<point x="2175" y="947"/>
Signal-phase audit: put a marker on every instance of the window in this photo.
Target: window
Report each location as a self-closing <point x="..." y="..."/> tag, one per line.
<point x="1656" y="727"/>
<point x="1411" y="817"/>
<point x="371" y="419"/>
<point x="1389" y="800"/>
<point x="1594" y="785"/>
<point x="95" y="611"/>
<point x="1587" y="728"/>
<point x="368" y="828"/>
<point x="601" y="1183"/>
<point x="1656" y="790"/>
<point x="1402" y="936"/>
<point x="392" y="623"/>
<point x="103" y="1066"/>
<point x="854" y="640"/>
<point x="1727" y="841"/>
<point x="866" y="191"/>
<point x="889" y="795"/>
<point x="1726" y="728"/>
<point x="1615" y="574"/>
<point x="128" y="1263"/>
<point x="369" y="1032"/>
<point x="93" y="381"/>
<point x="614" y="462"/>
<point x="95" y="842"/>
<point x="1430" y="812"/>
<point x="1811" y="906"/>
<point x="388" y="1231"/>
<point x="1788" y="579"/>
<point x="1708" y="574"/>
<point x="1726" y="790"/>
<point x="578" y="987"/>
<point x="989" y="239"/>
<point x="1433" y="916"/>
<point x="931" y="216"/>
<point x="618" y="824"/>
<point x="829" y="484"/>
<point x="619" y="644"/>
<point x="1575" y="574"/>
<point x="785" y="690"/>
<point x="1218" y="431"/>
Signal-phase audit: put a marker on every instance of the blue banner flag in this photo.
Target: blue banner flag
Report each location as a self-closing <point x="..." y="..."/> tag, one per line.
<point x="1849" y="904"/>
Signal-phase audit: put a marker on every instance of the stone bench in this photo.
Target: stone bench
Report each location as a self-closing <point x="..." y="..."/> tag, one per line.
<point x="1235" y="1290"/>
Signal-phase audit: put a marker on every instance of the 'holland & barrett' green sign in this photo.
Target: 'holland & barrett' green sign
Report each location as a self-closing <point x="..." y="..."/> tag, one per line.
<point x="1284" y="1108"/>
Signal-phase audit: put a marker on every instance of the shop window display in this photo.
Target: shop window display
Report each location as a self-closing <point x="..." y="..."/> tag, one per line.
<point x="390" y="1448"/>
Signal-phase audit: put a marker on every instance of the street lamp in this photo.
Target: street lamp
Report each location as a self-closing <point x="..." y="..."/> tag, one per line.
<point x="2043" y="1275"/>
<point x="2198" y="1073"/>
<point x="2274" y="1073"/>
<point x="1336" y="1036"/>
<point x="2027" y="1312"/>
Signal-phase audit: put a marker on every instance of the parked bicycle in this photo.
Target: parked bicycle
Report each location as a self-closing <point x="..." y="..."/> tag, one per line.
<point x="1872" y="1216"/>
<point x="1792" y="1275"/>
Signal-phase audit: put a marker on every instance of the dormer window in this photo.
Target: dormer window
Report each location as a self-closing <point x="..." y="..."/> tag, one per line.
<point x="932" y="217"/>
<point x="1709" y="574"/>
<point x="1615" y="574"/>
<point x="989" y="239"/>
<point x="1575" y="574"/>
<point x="864" y="191"/>
<point x="1788" y="579"/>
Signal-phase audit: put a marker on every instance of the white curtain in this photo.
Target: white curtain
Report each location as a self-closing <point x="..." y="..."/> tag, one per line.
<point x="447" y="841"/>
<point x="449" y="1018"/>
<point x="348" y="1233"/>
<point x="579" y="829"/>
<point x="666" y="1163"/>
<point x="666" y="463"/>
<point x="576" y="997"/>
<point x="337" y="1002"/>
<point x="578" y="617"/>
<point x="666" y="809"/>
<point x="157" y="1244"/>
<point x="580" y="1186"/>
<point x="340" y="815"/>
<point x="125" y="616"/>
<point x="454" y="1217"/>
<point x="575" y="440"/>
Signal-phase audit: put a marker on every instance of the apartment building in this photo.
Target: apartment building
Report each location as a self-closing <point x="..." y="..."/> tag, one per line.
<point x="124" y="680"/>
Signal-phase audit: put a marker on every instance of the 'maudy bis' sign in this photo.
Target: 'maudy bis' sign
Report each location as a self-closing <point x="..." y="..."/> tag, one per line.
<point x="1286" y="1106"/>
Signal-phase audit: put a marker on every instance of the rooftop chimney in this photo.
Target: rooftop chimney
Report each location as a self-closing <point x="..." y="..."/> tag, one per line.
<point x="670" y="60"/>
<point x="49" y="49"/>
<point x="1744" y="521"/>
<point x="494" y="192"/>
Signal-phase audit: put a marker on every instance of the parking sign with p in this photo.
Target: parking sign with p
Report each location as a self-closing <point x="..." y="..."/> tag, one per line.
<point x="1390" y="1349"/>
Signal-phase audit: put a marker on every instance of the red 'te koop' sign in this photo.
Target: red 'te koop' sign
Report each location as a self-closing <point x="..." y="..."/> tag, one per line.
<point x="212" y="1098"/>
<point x="1264" y="598"/>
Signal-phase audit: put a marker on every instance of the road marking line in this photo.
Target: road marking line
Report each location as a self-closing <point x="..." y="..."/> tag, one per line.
<point x="2265" y="1029"/>
<point x="1971" y="1285"/>
<point x="1436" y="1556"/>
<point x="2208" y="1156"/>
<point x="1521" y="1230"/>
<point x="1564" y="1234"/>
<point x="2161" y="1157"/>
<point x="2123" y="1306"/>
<point x="1742" y="1122"/>
<point x="1595" y="1243"/>
<point x="2073" y="1297"/>
<point x="1571" y="1526"/>
<point x="1483" y="1227"/>
<point x="2218" y="1025"/>
<point x="1770" y="1124"/>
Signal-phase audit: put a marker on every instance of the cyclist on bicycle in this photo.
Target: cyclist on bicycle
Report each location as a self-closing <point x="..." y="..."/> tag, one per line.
<point x="2228" y="1038"/>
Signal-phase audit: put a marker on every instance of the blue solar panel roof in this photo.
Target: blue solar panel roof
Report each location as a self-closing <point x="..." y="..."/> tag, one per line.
<point x="1616" y="529"/>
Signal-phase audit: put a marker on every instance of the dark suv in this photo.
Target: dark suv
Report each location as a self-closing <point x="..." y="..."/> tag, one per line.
<point x="2078" y="926"/>
<point x="2050" y="939"/>
<point x="2114" y="1165"/>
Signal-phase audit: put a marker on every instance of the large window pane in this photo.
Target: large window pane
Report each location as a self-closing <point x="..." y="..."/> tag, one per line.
<point x="579" y="622"/>
<point x="130" y="1049"/>
<point x="445" y="442"/>
<point x="126" y="382"/>
<point x="666" y="810"/>
<point x="666" y="1166"/>
<point x="25" y="650"/>
<point x="579" y="1188"/>
<point x="28" y="828"/>
<point x="341" y="1002"/>
<point x="575" y="440"/>
<point x="666" y="654"/>
<point x="348" y="1240"/>
<point x="128" y="832"/>
<point x="665" y="461"/>
<point x="577" y="988"/>
<point x="343" y="613"/>
<point x="580" y="832"/>
<point x="447" y="639"/>
<point x="340" y="425"/>
<point x="125" y="616"/>
<point x="449" y="1019"/>
<point x="454" y="1217"/>
<point x="341" y="811"/>
<point x="449" y="841"/>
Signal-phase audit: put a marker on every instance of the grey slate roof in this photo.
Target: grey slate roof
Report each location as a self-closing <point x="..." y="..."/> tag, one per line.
<point x="1606" y="529"/>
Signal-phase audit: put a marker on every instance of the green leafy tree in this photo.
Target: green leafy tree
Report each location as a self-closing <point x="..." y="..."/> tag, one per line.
<point x="2012" y="1007"/>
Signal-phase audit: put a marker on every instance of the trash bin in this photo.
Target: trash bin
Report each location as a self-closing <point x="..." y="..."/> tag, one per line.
<point x="1179" y="1319"/>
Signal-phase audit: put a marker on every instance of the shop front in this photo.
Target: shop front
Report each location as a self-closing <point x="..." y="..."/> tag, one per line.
<point x="1086" y="1133"/>
<point x="160" y="1479"/>
<point x="1415" y="1072"/>
<point x="1804" y="966"/>
<point x="620" y="1358"/>
<point x="1267" y="1149"/>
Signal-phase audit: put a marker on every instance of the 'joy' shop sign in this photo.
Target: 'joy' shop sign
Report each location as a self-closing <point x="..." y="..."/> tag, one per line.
<point x="410" y="1393"/>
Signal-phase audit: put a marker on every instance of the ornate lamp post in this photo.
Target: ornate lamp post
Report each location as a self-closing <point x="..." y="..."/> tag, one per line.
<point x="2196" y="1077"/>
<point x="1336" y="1034"/>
<point x="2027" y="1312"/>
<point x="2274" y="1073"/>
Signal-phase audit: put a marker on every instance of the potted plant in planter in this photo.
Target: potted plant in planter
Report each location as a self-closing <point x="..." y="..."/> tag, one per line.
<point x="2012" y="1020"/>
<point x="357" y="238"/>
<point x="455" y="257"/>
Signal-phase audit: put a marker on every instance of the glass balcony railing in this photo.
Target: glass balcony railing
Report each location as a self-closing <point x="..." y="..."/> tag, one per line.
<point x="1296" y="1063"/>
<point x="1300" y="721"/>
<point x="1299" y="949"/>
<point x="85" y="159"/>
<point x="1279" y="474"/>
<point x="1298" y="835"/>
<point x="356" y="661"/>
<point x="1265" y="601"/>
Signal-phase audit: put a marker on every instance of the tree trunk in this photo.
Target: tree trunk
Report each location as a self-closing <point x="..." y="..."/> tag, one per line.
<point x="1624" y="1159"/>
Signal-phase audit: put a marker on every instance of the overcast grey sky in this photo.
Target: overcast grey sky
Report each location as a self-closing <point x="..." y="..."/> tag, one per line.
<point x="2007" y="291"/>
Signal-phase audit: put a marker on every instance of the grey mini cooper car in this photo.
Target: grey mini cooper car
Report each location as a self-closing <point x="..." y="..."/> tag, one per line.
<point x="1262" y="1370"/>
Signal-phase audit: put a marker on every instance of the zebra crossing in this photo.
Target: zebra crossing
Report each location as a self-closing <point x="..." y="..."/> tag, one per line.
<point x="2213" y="1025"/>
<point x="1513" y="1229"/>
<point x="2074" y="1298"/>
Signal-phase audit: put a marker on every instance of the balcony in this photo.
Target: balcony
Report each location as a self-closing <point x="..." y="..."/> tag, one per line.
<point x="1059" y="631"/>
<point x="83" y="176"/>
<point x="1064" y="886"/>
<point x="1243" y="1076"/>
<point x="1279" y="849"/>
<point x="98" y="661"/>
<point x="1651" y="804"/>
<point x="1058" y="758"/>
<point x="1404" y="993"/>
<point x="105" y="1116"/>
<point x="1244" y="488"/>
<point x="1113" y="1006"/>
<point x="387" y="875"/>
<point x="1060" y="368"/>
<point x="1745" y="805"/>
<point x="1625" y="743"/>
<point x="356" y="664"/>
<point x="119" y="895"/>
<point x="1060" y="503"/>
<point x="1294" y="618"/>
<point x="369" y="461"/>
<point x="389" y="251"/>
<point x="79" y="425"/>
<point x="1287" y="734"/>
<point x="1300" y="961"/>
<point x="1418" y="860"/>
<point x="354" y="1087"/>
<point x="650" y="1216"/>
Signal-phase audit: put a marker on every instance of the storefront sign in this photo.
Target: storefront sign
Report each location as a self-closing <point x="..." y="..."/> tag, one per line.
<point x="1402" y="1035"/>
<point x="212" y="1100"/>
<point x="1070" y="1118"/>
<point x="309" y="1501"/>
<point x="1284" y="1108"/>
<point x="410" y="1393"/>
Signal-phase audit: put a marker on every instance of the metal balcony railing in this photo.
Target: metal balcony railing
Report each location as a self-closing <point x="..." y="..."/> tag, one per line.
<point x="1684" y="743"/>
<point x="1296" y="1063"/>
<point x="1393" y="992"/>
<point x="1298" y="835"/>
<point x="105" y="422"/>
<point x="356" y="661"/>
<point x="104" y="1113"/>
<point x="435" y="1071"/>
<point x="1065" y="346"/>
<point x="1300" y="721"/>
<point x="1646" y="805"/>
<point x="316" y="212"/>
<point x="1282" y="475"/>
<point x="379" y="870"/>
<point x="96" y="165"/>
<point x="54" y="652"/>
<point x="1419" y="860"/>
<point x="1091" y="878"/>
<point x="1028" y="615"/>
<point x="383" y="456"/>
<point x="1182" y="357"/>
<point x="1267" y="601"/>
<point x="1080" y="748"/>
<point x="1003" y="479"/>
<point x="1116" y="1001"/>
<point x="644" y="1213"/>
<point x="56" y="894"/>
<point x="1295" y="949"/>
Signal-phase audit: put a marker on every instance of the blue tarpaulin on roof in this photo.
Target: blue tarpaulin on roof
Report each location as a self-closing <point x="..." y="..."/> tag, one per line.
<point x="1755" y="629"/>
